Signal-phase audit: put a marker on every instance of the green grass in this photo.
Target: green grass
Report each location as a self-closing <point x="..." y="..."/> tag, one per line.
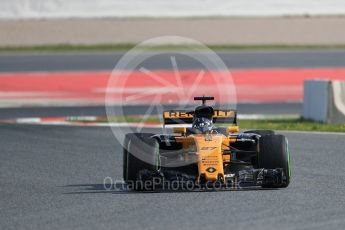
<point x="127" y="46"/>
<point x="275" y="124"/>
<point x="66" y="47"/>
<point x="290" y="124"/>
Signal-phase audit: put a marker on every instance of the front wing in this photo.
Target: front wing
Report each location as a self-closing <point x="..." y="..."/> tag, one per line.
<point x="174" y="180"/>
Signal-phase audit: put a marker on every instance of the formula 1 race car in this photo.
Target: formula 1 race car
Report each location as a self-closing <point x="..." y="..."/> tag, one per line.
<point x="205" y="156"/>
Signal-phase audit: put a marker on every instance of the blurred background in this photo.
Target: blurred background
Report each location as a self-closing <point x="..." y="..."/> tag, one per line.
<point x="56" y="56"/>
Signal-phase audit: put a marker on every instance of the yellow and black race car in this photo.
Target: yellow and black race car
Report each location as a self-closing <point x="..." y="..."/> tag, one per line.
<point x="205" y="156"/>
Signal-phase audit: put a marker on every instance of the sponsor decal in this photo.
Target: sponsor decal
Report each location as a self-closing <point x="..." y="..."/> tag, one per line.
<point x="211" y="170"/>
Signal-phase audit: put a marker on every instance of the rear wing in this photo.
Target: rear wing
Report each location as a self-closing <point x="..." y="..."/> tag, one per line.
<point x="183" y="117"/>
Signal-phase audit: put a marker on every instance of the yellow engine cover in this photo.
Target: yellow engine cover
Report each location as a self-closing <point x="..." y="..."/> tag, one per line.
<point x="210" y="158"/>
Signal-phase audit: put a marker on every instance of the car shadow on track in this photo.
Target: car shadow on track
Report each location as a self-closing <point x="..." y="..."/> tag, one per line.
<point x="87" y="188"/>
<point x="121" y="188"/>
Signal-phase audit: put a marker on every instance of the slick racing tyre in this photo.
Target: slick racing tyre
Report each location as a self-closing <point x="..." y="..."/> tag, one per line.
<point x="140" y="152"/>
<point x="261" y="132"/>
<point x="274" y="153"/>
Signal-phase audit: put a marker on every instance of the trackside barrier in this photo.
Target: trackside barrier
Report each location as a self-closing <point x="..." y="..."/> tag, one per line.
<point x="324" y="101"/>
<point x="23" y="9"/>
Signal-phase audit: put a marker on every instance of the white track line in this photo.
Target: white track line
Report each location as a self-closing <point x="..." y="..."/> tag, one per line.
<point x="73" y="121"/>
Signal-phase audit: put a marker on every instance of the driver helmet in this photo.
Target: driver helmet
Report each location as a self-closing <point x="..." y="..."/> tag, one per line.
<point x="202" y="125"/>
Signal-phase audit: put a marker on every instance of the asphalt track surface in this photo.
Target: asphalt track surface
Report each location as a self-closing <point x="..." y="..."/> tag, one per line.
<point x="74" y="61"/>
<point x="52" y="178"/>
<point x="262" y="108"/>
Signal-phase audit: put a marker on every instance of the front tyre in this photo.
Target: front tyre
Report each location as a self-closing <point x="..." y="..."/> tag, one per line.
<point x="140" y="152"/>
<point x="273" y="154"/>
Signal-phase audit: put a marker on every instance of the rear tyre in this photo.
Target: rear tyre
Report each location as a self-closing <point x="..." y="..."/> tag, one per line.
<point x="140" y="152"/>
<point x="274" y="153"/>
<point x="261" y="132"/>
